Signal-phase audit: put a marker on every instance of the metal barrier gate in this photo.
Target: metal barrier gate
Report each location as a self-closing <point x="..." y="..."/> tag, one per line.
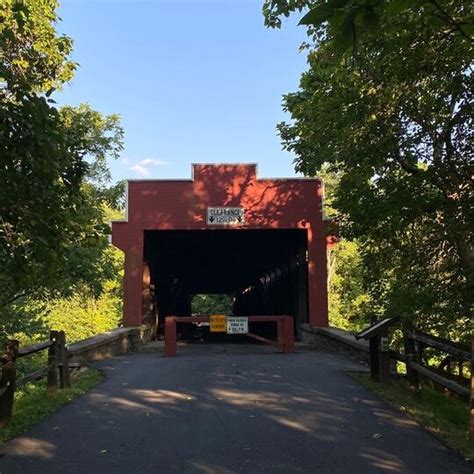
<point x="285" y="331"/>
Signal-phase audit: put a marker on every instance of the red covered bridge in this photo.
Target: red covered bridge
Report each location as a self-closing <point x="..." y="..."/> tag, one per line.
<point x="262" y="241"/>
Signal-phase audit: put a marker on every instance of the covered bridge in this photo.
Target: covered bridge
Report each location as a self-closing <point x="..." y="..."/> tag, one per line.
<point x="263" y="241"/>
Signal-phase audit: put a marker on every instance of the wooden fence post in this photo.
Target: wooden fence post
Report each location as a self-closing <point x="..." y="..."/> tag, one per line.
<point x="379" y="352"/>
<point x="64" y="379"/>
<point x="52" y="381"/>
<point x="7" y="383"/>
<point x="411" y="354"/>
<point x="374" y="348"/>
<point x="384" y="358"/>
<point x="471" y="422"/>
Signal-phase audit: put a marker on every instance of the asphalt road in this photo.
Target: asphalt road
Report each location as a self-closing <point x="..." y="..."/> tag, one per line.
<point x="227" y="410"/>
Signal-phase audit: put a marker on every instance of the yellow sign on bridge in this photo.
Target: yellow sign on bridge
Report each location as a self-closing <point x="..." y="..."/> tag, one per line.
<point x="218" y="322"/>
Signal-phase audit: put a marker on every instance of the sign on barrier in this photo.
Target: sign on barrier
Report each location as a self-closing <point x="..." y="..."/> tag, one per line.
<point x="218" y="322"/>
<point x="237" y="325"/>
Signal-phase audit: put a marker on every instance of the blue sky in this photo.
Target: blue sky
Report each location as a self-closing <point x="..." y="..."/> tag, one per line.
<point x="194" y="81"/>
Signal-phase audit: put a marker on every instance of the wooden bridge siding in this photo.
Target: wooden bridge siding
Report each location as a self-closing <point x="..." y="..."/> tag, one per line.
<point x="181" y="205"/>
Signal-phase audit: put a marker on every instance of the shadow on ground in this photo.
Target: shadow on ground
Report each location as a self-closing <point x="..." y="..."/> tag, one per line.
<point x="229" y="409"/>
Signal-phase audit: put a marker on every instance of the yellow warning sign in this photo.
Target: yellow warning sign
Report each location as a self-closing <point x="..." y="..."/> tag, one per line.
<point x="218" y="323"/>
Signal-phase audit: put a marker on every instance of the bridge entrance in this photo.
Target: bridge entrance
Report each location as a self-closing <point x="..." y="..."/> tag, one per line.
<point x="264" y="271"/>
<point x="261" y="241"/>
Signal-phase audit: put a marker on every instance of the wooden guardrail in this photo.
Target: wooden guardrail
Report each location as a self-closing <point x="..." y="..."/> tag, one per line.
<point x="57" y="364"/>
<point x="459" y="357"/>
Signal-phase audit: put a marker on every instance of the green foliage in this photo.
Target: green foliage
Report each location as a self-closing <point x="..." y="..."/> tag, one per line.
<point x="32" y="404"/>
<point x="349" y="303"/>
<point x="22" y="321"/>
<point x="85" y="313"/>
<point x="82" y="316"/>
<point x="273" y="10"/>
<point x="345" y="22"/>
<point x="206" y="304"/>
<point x="391" y="118"/>
<point x="52" y="164"/>
<point x="82" y="311"/>
<point x="94" y="138"/>
<point x="446" y="417"/>
<point x="57" y="270"/>
<point x="51" y="226"/>
<point x="33" y="57"/>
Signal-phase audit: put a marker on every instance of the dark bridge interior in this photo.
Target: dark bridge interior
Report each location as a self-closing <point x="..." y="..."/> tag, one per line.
<point x="265" y="271"/>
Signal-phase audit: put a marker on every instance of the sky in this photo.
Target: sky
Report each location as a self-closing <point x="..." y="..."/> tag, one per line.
<point x="195" y="81"/>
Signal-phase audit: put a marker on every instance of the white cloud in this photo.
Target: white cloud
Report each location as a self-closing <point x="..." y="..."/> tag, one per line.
<point x="143" y="167"/>
<point x="141" y="170"/>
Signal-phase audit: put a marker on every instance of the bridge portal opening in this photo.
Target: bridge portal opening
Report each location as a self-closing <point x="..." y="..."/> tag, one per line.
<point x="263" y="271"/>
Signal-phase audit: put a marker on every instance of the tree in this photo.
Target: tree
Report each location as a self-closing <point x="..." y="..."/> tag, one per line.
<point x="87" y="311"/>
<point x="52" y="161"/>
<point x="349" y="299"/>
<point x="34" y="58"/>
<point x="345" y="21"/>
<point x="82" y="309"/>
<point x="391" y="114"/>
<point x="205" y="304"/>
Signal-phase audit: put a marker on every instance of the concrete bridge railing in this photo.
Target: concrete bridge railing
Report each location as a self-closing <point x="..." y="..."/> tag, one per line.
<point x="331" y="338"/>
<point x="108" y="344"/>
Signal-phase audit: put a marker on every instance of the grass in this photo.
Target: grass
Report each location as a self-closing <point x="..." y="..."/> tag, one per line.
<point x="445" y="417"/>
<point x="32" y="404"/>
